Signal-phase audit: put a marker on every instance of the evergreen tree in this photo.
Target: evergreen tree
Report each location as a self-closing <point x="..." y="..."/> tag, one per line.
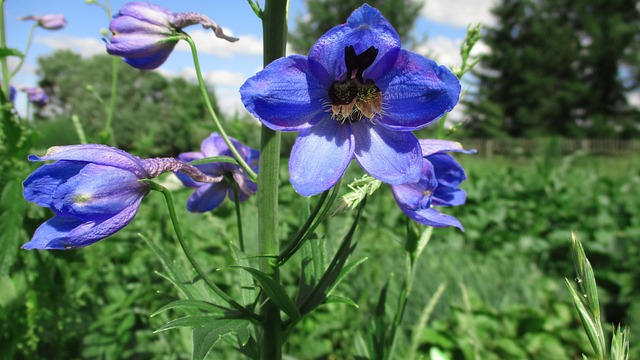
<point x="556" y="68"/>
<point x="325" y="14"/>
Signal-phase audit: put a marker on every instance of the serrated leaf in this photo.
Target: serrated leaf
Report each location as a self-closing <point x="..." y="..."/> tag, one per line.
<point x="5" y="52"/>
<point x="276" y="293"/>
<point x="204" y="338"/>
<point x="191" y="305"/>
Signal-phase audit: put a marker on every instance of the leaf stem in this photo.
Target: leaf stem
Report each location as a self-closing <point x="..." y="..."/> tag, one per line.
<point x="26" y="51"/>
<point x="236" y="195"/>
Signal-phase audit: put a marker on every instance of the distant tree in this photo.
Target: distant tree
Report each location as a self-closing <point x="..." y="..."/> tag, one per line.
<point x="324" y="14"/>
<point x="559" y="67"/>
<point x="154" y="115"/>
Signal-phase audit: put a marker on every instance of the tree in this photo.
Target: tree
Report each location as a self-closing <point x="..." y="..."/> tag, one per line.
<point x="555" y="68"/>
<point x="325" y="14"/>
<point x="154" y="115"/>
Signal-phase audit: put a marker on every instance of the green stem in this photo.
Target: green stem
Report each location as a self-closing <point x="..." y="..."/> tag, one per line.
<point x="26" y="51"/>
<point x="236" y="194"/>
<point x="108" y="126"/>
<point x="189" y="254"/>
<point x="274" y="28"/>
<point x="212" y="113"/>
<point x="3" y="45"/>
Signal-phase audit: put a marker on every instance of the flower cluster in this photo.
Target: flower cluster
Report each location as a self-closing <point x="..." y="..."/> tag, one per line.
<point x="145" y="34"/>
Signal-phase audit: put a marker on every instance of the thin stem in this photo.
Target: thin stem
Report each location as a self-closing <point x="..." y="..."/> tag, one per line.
<point x="108" y="126"/>
<point x="3" y="45"/>
<point x="189" y="254"/>
<point x="274" y="28"/>
<point x="26" y="51"/>
<point x="236" y="195"/>
<point x="212" y="113"/>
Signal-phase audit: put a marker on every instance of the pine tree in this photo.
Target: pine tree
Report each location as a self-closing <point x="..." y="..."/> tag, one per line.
<point x="556" y="68"/>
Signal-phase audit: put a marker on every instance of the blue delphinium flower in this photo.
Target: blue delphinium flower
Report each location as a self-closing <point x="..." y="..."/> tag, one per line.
<point x="94" y="191"/>
<point x="438" y="185"/>
<point x="37" y="96"/>
<point x="209" y="195"/>
<point x="145" y="34"/>
<point x="357" y="94"/>
<point x="12" y="93"/>
<point x="49" y="22"/>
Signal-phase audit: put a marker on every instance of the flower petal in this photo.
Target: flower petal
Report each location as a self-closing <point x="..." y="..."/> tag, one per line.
<point x="284" y="96"/>
<point x="417" y="195"/>
<point x="42" y="183"/>
<point x="97" y="192"/>
<point x="390" y="156"/>
<point x="206" y="197"/>
<point x="95" y="153"/>
<point x="448" y="171"/>
<point x="365" y="27"/>
<point x="447" y="196"/>
<point x="416" y="92"/>
<point x="320" y="156"/>
<point x="432" y="217"/>
<point x="63" y="233"/>
<point x="147" y="12"/>
<point x="432" y="146"/>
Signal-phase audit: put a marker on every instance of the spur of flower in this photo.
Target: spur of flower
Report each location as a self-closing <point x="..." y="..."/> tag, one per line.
<point x="94" y="191"/>
<point x="438" y="185"/>
<point x="358" y="94"/>
<point x="209" y="195"/>
<point x="145" y="34"/>
<point x="49" y="22"/>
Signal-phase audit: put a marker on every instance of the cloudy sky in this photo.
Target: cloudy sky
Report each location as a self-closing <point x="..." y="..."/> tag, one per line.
<point x="442" y="22"/>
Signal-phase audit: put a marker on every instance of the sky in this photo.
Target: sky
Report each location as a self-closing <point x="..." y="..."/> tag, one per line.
<point x="225" y="65"/>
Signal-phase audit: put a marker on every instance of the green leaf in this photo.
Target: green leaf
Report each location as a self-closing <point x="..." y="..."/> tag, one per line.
<point x="198" y="321"/>
<point x="212" y="159"/>
<point x="276" y="293"/>
<point x="191" y="305"/>
<point x="204" y="338"/>
<point x="12" y="233"/>
<point x="248" y="289"/>
<point x="6" y="52"/>
<point x="335" y="299"/>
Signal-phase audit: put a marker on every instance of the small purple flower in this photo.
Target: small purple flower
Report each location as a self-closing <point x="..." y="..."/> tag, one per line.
<point x="145" y="34"/>
<point x="209" y="196"/>
<point x="438" y="185"/>
<point x="94" y="191"/>
<point x="357" y="94"/>
<point x="49" y="22"/>
<point x="37" y="96"/>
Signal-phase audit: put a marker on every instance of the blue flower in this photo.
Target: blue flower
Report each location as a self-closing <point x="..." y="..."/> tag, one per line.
<point x="94" y="191"/>
<point x="12" y="93"/>
<point x="209" y="195"/>
<point x="145" y="34"/>
<point x="438" y="185"/>
<point x="357" y="94"/>
<point x="49" y="22"/>
<point x="37" y="96"/>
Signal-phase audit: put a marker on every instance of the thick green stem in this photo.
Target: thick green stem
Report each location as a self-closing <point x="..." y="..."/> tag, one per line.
<point x="3" y="60"/>
<point x="274" y="27"/>
<point x="212" y="113"/>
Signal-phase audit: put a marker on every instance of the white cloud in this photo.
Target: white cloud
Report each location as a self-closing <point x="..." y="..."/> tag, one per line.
<point x="460" y="12"/>
<point x="207" y="43"/>
<point x="86" y="46"/>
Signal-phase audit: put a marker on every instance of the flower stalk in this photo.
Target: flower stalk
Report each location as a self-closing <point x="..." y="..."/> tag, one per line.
<point x="212" y="113"/>
<point x="274" y="27"/>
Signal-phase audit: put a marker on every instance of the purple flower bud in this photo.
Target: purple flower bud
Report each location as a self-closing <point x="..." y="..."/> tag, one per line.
<point x="145" y="34"/>
<point x="208" y="196"/>
<point x="12" y="93"/>
<point x="37" y="96"/>
<point x="94" y="191"/>
<point x="438" y="185"/>
<point x="49" y="22"/>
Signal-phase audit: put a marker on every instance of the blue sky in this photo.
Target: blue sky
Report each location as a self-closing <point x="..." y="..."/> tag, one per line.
<point x="442" y="22"/>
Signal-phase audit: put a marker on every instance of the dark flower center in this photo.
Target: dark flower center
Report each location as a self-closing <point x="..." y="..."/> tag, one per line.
<point x="353" y="98"/>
